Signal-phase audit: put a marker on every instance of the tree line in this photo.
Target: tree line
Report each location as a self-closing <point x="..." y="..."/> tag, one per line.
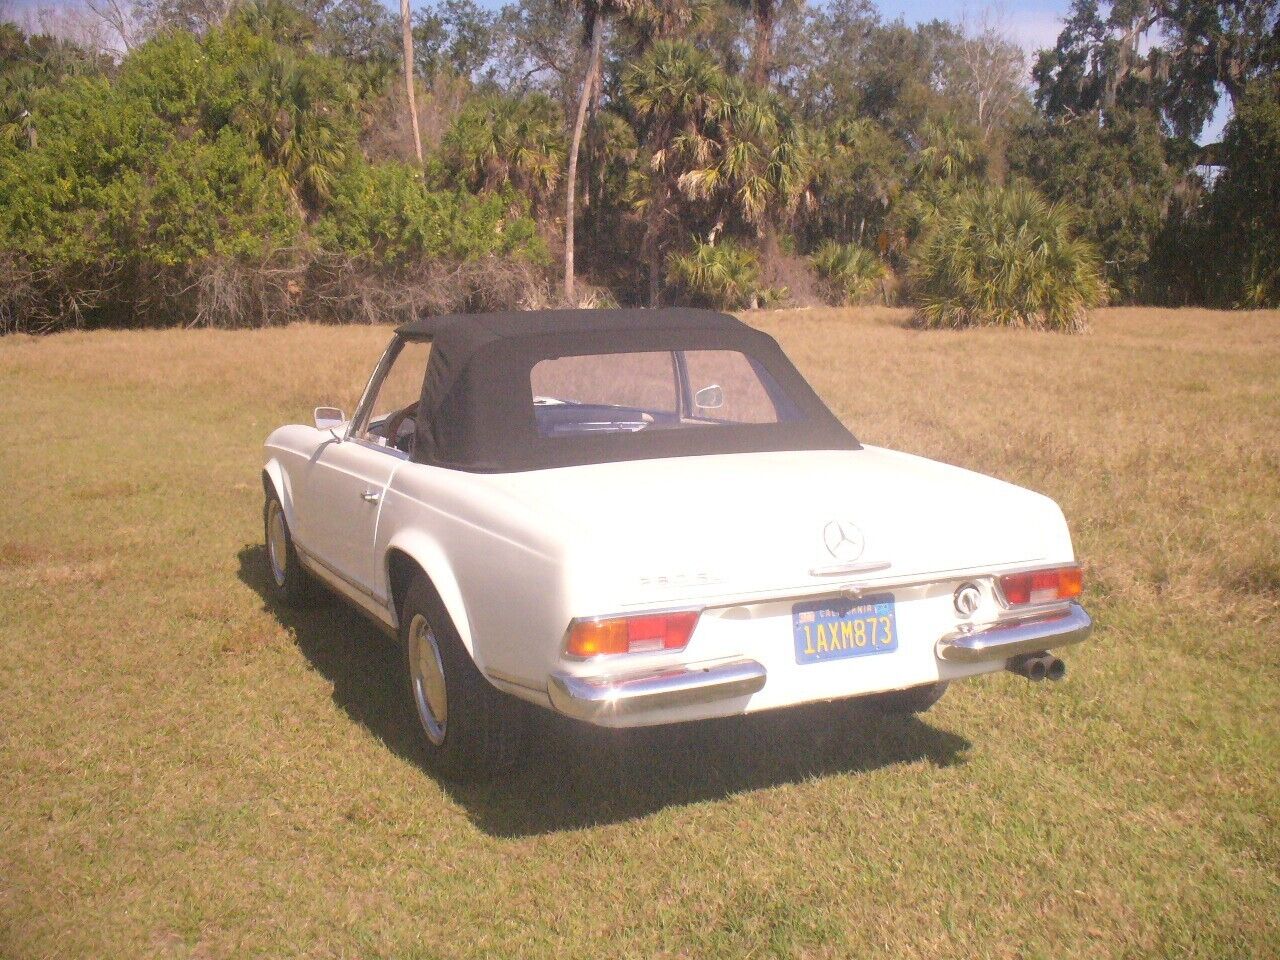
<point x="242" y="162"/>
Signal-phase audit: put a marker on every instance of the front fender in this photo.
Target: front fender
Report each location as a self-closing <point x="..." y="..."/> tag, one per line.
<point x="278" y="478"/>
<point x="427" y="553"/>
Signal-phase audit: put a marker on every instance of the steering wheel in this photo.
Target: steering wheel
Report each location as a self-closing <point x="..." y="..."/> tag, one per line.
<point x="391" y="426"/>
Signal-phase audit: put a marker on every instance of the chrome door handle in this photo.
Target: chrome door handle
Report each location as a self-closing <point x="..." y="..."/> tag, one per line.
<point x="370" y="497"/>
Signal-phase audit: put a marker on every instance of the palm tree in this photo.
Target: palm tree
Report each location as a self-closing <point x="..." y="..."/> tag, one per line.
<point x="764" y="17"/>
<point x="720" y="152"/>
<point x="763" y="169"/>
<point x="1005" y="257"/>
<point x="500" y="139"/>
<point x="594" y="13"/>
<point x="675" y="91"/>
<point x="406" y="28"/>
<point x="948" y="154"/>
<point x="724" y="275"/>
<point x="652" y="18"/>
<point x="297" y="114"/>
<point x="655" y="20"/>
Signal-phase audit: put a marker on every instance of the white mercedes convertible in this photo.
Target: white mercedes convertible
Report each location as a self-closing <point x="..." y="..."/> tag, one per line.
<point x="647" y="517"/>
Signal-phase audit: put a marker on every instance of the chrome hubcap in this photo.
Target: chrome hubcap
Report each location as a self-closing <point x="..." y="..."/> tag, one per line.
<point x="427" y="674"/>
<point x="277" y="543"/>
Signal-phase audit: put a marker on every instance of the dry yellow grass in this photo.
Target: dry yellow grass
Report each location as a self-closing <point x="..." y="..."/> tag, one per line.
<point x="188" y="771"/>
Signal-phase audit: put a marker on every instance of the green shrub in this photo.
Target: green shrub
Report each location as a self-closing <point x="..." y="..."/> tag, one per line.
<point x="724" y="274"/>
<point x="384" y="213"/>
<point x="112" y="195"/>
<point x="848" y="272"/>
<point x="1004" y="257"/>
<point x="1117" y="178"/>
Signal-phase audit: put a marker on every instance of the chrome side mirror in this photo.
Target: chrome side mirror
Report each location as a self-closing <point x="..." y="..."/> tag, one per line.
<point x="709" y="398"/>
<point x="330" y="418"/>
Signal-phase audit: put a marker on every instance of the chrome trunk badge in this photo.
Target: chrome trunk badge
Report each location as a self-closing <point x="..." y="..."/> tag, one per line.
<point x="844" y="539"/>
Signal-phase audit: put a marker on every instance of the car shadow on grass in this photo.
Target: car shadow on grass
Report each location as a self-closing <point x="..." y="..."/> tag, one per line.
<point x="574" y="775"/>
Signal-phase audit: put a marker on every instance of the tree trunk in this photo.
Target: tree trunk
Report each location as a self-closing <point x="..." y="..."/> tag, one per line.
<point x="762" y="49"/>
<point x="571" y="178"/>
<point x="407" y="28"/>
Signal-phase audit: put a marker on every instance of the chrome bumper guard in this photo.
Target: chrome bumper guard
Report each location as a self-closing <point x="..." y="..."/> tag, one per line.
<point x="1010" y="638"/>
<point x="591" y="698"/>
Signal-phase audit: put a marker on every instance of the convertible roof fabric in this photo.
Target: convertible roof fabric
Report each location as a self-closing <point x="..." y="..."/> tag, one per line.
<point x="477" y="409"/>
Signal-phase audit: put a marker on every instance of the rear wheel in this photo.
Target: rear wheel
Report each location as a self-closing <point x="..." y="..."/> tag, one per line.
<point x="469" y="726"/>
<point x="290" y="583"/>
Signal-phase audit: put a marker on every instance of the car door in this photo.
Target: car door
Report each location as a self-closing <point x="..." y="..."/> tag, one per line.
<point x="345" y="485"/>
<point x="348" y="477"/>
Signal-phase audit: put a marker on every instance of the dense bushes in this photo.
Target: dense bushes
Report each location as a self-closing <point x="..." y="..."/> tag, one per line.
<point x="255" y="162"/>
<point x="385" y="214"/>
<point x="222" y="180"/>
<point x="1116" y="175"/>
<point x="1242" y="214"/>
<point x="1005" y="257"/>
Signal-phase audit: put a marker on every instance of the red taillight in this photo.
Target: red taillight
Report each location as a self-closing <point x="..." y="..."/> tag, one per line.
<point x="642" y="634"/>
<point x="1042" y="586"/>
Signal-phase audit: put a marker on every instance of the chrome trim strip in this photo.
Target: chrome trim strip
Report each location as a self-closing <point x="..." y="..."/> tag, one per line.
<point x="852" y="590"/>
<point x="835" y="569"/>
<point x="310" y="558"/>
<point x="381" y="448"/>
<point x="362" y="599"/>
<point x="594" y="698"/>
<point x="1016" y="635"/>
<point x="361" y="413"/>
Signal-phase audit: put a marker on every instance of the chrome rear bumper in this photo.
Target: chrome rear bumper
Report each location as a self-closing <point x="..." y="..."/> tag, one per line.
<point x="594" y="698"/>
<point x="1010" y="638"/>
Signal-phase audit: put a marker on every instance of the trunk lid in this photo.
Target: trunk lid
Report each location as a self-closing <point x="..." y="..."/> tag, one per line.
<point x="698" y="527"/>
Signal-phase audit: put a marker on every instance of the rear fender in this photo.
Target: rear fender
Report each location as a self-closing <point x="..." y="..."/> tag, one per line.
<point x="430" y="557"/>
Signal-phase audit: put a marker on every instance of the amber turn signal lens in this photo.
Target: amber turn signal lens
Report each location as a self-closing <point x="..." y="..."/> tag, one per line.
<point x="642" y="634"/>
<point x="1070" y="583"/>
<point x="1042" y="586"/>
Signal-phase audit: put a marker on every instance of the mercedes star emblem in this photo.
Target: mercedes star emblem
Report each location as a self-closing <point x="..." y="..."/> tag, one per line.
<point x="843" y="539"/>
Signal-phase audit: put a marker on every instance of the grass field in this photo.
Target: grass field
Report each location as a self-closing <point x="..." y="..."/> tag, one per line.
<point x="187" y="771"/>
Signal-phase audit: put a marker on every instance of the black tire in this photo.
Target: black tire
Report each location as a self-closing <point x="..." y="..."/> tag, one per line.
<point x="482" y="730"/>
<point x="288" y="580"/>
<point x="906" y="702"/>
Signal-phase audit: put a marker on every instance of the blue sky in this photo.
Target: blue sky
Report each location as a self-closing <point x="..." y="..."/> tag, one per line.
<point x="1034" y="24"/>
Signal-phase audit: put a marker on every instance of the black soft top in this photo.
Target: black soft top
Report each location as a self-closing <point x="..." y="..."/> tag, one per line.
<point x="477" y="409"/>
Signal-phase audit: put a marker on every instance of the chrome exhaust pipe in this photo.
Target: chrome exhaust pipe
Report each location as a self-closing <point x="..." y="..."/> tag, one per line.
<point x="1055" y="669"/>
<point x="1033" y="666"/>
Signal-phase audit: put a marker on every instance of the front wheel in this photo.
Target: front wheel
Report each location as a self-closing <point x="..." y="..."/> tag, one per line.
<point x="290" y="582"/>
<point x="469" y="726"/>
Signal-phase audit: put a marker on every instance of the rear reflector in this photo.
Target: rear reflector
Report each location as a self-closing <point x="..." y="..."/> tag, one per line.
<point x="1042" y="586"/>
<point x="642" y="634"/>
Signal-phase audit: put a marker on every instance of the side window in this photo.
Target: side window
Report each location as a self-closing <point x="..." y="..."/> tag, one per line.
<point x="392" y="418"/>
<point x="641" y="381"/>
<point x="657" y="390"/>
<point x="605" y="393"/>
<point x="741" y="398"/>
